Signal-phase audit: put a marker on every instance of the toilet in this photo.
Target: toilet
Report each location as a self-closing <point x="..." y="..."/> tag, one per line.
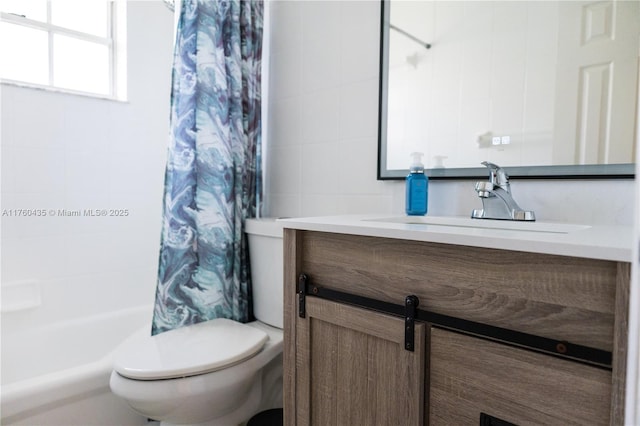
<point x="218" y="372"/>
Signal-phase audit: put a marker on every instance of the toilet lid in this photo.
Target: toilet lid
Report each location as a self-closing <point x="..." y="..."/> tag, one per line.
<point x="195" y="349"/>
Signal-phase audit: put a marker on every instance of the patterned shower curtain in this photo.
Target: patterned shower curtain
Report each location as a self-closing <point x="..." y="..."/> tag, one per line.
<point x="213" y="174"/>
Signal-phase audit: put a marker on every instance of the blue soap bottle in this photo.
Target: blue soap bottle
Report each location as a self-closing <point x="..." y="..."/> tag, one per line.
<point x="417" y="187"/>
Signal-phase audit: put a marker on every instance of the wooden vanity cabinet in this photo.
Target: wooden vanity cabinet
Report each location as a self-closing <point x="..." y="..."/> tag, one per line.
<point x="352" y="368"/>
<point x="346" y="365"/>
<point x="469" y="376"/>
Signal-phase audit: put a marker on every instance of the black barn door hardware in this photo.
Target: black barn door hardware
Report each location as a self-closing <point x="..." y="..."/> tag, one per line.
<point x="411" y="313"/>
<point x="302" y="291"/>
<point x="410" y="308"/>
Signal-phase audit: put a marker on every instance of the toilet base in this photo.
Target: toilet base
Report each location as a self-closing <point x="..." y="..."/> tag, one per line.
<point x="236" y="417"/>
<point x="265" y="394"/>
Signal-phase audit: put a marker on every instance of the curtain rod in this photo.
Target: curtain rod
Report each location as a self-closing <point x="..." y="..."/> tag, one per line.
<point x="411" y="36"/>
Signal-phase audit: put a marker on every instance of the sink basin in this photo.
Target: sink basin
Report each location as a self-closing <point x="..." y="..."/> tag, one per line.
<point x="465" y="222"/>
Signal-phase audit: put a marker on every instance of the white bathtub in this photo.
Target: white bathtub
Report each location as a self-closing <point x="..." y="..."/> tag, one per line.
<point x="59" y="374"/>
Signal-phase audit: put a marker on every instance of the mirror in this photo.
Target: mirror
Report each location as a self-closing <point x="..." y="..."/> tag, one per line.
<point x="542" y="88"/>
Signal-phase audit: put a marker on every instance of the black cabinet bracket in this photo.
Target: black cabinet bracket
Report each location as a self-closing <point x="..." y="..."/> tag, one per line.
<point x="302" y="292"/>
<point x="410" y="307"/>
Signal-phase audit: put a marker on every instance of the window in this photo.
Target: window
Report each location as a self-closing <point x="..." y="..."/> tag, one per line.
<point x="72" y="45"/>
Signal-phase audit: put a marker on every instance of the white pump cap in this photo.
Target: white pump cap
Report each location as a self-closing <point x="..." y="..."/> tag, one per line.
<point x="439" y="161"/>
<point x="416" y="163"/>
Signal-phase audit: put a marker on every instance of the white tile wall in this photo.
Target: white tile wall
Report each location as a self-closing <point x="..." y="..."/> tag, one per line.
<point x="321" y="45"/>
<point x="320" y="109"/>
<point x="69" y="152"/>
<point x="322" y="142"/>
<point x="321" y="148"/>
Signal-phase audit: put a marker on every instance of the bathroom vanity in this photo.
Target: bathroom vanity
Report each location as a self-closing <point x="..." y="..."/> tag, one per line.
<point x="434" y="321"/>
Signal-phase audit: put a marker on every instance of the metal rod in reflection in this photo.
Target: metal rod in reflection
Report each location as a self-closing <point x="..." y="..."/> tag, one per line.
<point x="412" y="37"/>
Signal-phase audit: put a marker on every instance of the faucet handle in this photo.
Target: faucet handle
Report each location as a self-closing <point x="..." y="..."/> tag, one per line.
<point x="497" y="176"/>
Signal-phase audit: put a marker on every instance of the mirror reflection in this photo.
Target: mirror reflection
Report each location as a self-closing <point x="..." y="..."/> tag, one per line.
<point x="516" y="83"/>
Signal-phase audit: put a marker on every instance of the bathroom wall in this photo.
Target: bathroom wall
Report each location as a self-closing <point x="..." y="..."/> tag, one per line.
<point x="75" y="153"/>
<point x="322" y="129"/>
<point x="69" y="152"/>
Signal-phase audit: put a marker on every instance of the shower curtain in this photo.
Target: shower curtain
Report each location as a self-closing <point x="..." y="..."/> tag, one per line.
<point x="213" y="174"/>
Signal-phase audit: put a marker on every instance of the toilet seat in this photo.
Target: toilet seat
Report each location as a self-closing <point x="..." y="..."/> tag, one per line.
<point x="191" y="350"/>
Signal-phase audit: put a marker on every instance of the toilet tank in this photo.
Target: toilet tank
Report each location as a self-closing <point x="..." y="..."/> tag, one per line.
<point x="265" y="252"/>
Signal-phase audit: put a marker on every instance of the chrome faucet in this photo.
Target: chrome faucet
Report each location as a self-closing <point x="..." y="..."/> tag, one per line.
<point x="497" y="201"/>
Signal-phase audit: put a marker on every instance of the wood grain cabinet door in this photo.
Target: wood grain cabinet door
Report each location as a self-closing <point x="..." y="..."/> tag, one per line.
<point x="352" y="368"/>
<point x="470" y="376"/>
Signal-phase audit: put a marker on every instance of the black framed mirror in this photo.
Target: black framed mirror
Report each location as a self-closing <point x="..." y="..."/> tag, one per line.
<point x="544" y="89"/>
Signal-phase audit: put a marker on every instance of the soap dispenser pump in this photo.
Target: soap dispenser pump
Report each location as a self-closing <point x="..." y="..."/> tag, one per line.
<point x="417" y="187"/>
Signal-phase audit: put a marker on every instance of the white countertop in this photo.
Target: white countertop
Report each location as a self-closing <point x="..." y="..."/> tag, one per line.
<point x="594" y="242"/>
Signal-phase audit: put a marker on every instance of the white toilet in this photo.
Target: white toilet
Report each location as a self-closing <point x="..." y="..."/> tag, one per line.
<point x="218" y="372"/>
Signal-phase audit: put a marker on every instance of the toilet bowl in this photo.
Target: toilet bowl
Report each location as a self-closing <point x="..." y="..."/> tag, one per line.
<point x="218" y="372"/>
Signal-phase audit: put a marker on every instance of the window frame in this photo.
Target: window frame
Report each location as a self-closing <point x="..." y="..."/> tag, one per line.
<point x="115" y="41"/>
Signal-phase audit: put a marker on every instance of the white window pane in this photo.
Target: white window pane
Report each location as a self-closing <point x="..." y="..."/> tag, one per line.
<point x="32" y="9"/>
<point x="81" y="15"/>
<point x="80" y="65"/>
<point x="26" y="57"/>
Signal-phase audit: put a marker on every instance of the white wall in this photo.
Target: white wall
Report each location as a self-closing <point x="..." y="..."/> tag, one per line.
<point x="323" y="101"/>
<point x="323" y="98"/>
<point x="63" y="151"/>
